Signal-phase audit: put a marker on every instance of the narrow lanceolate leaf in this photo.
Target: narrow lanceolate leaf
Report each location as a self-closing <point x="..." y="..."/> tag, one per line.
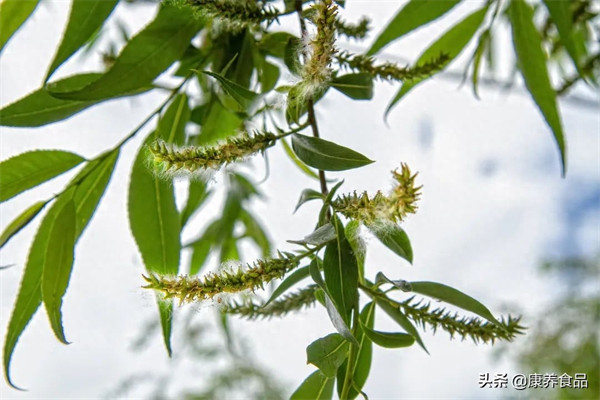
<point x="450" y="44"/>
<point x="357" y="244"/>
<point x="86" y="18"/>
<point x="21" y="221"/>
<point x="532" y="63"/>
<point x="401" y="319"/>
<point x="356" y="86"/>
<point x="390" y="340"/>
<point x="144" y="57"/>
<point x="40" y="108"/>
<point x="334" y="315"/>
<point x="341" y="272"/>
<point x="197" y="195"/>
<point x="201" y="247"/>
<point x="288" y="282"/>
<point x="171" y="125"/>
<point x="364" y="356"/>
<point x="316" y="387"/>
<point x="325" y="155"/>
<point x="58" y="264"/>
<point x="30" y="169"/>
<point x="328" y="353"/>
<point x="240" y="94"/>
<point x="303" y="167"/>
<point x="155" y="225"/>
<point x="13" y="13"/>
<point x="454" y="297"/>
<point x="153" y="218"/>
<point x="308" y="195"/>
<point x="412" y="16"/>
<point x="560" y="11"/>
<point x="321" y="235"/>
<point x="92" y="182"/>
<point x="395" y="239"/>
<point x="29" y="296"/>
<point x="88" y="187"/>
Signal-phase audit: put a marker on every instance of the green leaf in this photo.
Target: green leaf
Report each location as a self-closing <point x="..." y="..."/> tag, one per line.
<point x="401" y="319"/>
<point x="291" y="56"/>
<point x="450" y="43"/>
<point x="171" y="125"/>
<point x="482" y="45"/>
<point x="303" y="167"/>
<point x="401" y="284"/>
<point x="57" y="266"/>
<point x="254" y="231"/>
<point x="165" y="313"/>
<point x="153" y="218"/>
<point x="197" y="195"/>
<point x="413" y="15"/>
<point x="316" y="387"/>
<point x="288" y="282"/>
<point x="390" y="340"/>
<point x="29" y="296"/>
<point x="145" y="56"/>
<point x="240" y="94"/>
<point x="328" y="353"/>
<point x="334" y="315"/>
<point x="219" y="124"/>
<point x="340" y="269"/>
<point x="268" y="77"/>
<point x="40" y="108"/>
<point x="275" y="43"/>
<point x="308" y="195"/>
<point x="532" y="63"/>
<point x="358" y="246"/>
<point x="454" y="297"/>
<point x="21" y="221"/>
<point x="201" y="247"/>
<point x="364" y="356"/>
<point x="315" y="274"/>
<point x="88" y="186"/>
<point x="356" y="86"/>
<point x="561" y="14"/>
<point x="323" y="214"/>
<point x="93" y="180"/>
<point x="395" y="239"/>
<point x="325" y="155"/>
<point x="86" y="18"/>
<point x="27" y="170"/>
<point x="321" y="235"/>
<point x="154" y="222"/>
<point x="13" y="13"/>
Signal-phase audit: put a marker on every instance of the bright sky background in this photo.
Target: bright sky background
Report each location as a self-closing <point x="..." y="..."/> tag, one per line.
<point x="494" y="206"/>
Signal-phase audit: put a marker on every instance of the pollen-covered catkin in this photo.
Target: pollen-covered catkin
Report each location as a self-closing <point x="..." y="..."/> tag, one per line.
<point x="382" y="209"/>
<point x="170" y="159"/>
<point x="317" y="70"/>
<point x="254" y="276"/>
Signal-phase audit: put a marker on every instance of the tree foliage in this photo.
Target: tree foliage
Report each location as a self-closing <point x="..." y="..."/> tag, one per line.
<point x="243" y="67"/>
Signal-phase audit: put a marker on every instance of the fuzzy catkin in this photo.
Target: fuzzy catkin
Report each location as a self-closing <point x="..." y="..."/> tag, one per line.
<point x="317" y="70"/>
<point x="475" y="328"/>
<point x="168" y="158"/>
<point x="254" y="276"/>
<point x="381" y="209"/>
<point x="236" y="14"/>
<point x="389" y="71"/>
